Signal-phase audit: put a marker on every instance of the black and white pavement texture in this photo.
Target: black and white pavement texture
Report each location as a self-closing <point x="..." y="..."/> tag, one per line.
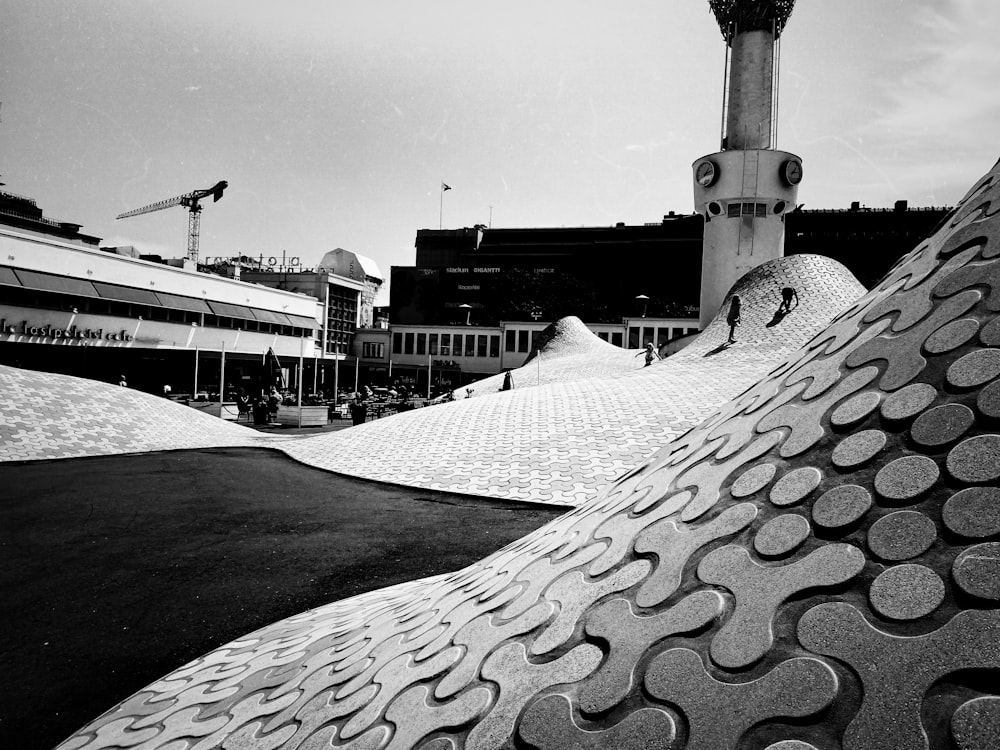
<point x="814" y="565"/>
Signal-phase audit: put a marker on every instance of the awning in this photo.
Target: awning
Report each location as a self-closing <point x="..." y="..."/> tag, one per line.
<point x="302" y="322"/>
<point x="177" y="302"/>
<point x="231" y="311"/>
<point x="7" y="277"/>
<point x="61" y="284"/>
<point x="269" y="316"/>
<point x="126" y="294"/>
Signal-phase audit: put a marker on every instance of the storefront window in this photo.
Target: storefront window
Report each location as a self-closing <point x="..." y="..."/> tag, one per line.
<point x="522" y="341"/>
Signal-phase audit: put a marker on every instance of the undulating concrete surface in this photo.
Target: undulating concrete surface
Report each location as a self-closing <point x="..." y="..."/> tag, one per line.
<point x="115" y="569"/>
<point x="571" y="352"/>
<point x="561" y="442"/>
<point x="816" y="565"/>
<point x="565" y="441"/>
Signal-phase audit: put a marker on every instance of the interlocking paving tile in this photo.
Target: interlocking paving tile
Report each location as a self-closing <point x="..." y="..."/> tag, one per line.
<point x="872" y="632"/>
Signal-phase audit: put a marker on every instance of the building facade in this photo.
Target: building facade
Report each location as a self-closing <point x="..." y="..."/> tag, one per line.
<point x="67" y="306"/>
<point x="600" y="274"/>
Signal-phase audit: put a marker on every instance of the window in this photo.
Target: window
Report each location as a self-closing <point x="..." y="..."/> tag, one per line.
<point x="457" y="340"/>
<point x="603" y="335"/>
<point x="522" y="341"/>
<point x="616" y="339"/>
<point x="470" y="345"/>
<point x="372" y="350"/>
<point x="511" y="340"/>
<point x="421" y="343"/>
<point x="633" y="337"/>
<point x="647" y="335"/>
<point x="733" y="211"/>
<point x="432" y="344"/>
<point x="397" y="343"/>
<point x="445" y="344"/>
<point x="495" y="345"/>
<point x="481" y="348"/>
<point x="535" y="335"/>
<point x="409" y="344"/>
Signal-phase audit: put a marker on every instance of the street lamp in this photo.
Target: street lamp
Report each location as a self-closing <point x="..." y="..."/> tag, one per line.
<point x="468" y="311"/>
<point x="645" y="301"/>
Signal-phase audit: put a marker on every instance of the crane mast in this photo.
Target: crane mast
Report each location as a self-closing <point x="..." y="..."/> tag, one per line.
<point x="192" y="202"/>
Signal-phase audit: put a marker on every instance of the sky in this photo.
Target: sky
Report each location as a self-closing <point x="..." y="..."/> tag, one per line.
<point x="335" y="122"/>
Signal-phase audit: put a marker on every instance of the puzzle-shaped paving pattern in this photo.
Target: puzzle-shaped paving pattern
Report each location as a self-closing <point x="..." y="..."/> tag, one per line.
<point x="814" y="566"/>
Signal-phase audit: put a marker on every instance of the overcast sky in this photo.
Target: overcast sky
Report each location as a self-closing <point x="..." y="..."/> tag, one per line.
<point x="335" y="122"/>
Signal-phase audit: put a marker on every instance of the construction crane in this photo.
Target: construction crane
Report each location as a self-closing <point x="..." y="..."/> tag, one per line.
<point x="192" y="202"/>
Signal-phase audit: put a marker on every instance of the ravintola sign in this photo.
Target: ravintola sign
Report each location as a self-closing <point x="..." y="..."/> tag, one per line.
<point x="73" y="332"/>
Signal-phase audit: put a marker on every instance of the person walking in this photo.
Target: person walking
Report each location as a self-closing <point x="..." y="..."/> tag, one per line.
<point x="651" y="354"/>
<point x="787" y="295"/>
<point x="734" y="317"/>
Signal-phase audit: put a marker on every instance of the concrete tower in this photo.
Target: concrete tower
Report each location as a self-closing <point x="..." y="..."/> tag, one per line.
<point x="744" y="190"/>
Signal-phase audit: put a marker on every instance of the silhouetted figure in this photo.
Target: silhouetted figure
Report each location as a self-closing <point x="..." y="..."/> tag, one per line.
<point x="651" y="355"/>
<point x="787" y="295"/>
<point x="122" y="382"/>
<point x="734" y="318"/>
<point x="508" y="382"/>
<point x="359" y="412"/>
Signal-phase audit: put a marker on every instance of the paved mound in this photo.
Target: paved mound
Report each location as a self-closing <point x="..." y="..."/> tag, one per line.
<point x="47" y="416"/>
<point x="568" y="350"/>
<point x="815" y="566"/>
<point x="565" y="441"/>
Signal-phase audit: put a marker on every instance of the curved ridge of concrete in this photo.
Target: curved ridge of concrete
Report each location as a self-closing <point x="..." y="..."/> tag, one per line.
<point x="802" y="570"/>
<point x="564" y="441"/>
<point x="47" y="416"/>
<point x="568" y="351"/>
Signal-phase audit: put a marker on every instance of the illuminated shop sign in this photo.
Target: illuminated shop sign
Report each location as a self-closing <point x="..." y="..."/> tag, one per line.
<point x="73" y="332"/>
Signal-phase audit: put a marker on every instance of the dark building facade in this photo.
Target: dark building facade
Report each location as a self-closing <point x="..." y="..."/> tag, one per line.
<point x="601" y="274"/>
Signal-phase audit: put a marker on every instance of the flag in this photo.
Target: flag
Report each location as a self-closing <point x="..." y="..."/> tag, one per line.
<point x="445" y="187"/>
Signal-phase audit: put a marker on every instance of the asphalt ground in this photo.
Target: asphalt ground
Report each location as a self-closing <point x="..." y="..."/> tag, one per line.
<point x="116" y="570"/>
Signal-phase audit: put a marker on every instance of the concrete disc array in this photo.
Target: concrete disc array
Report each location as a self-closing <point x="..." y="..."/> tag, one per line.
<point x="814" y="566"/>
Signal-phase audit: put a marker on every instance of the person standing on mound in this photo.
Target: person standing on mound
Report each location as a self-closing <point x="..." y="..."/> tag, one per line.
<point x="733" y="318"/>
<point x="651" y="355"/>
<point x="787" y="294"/>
